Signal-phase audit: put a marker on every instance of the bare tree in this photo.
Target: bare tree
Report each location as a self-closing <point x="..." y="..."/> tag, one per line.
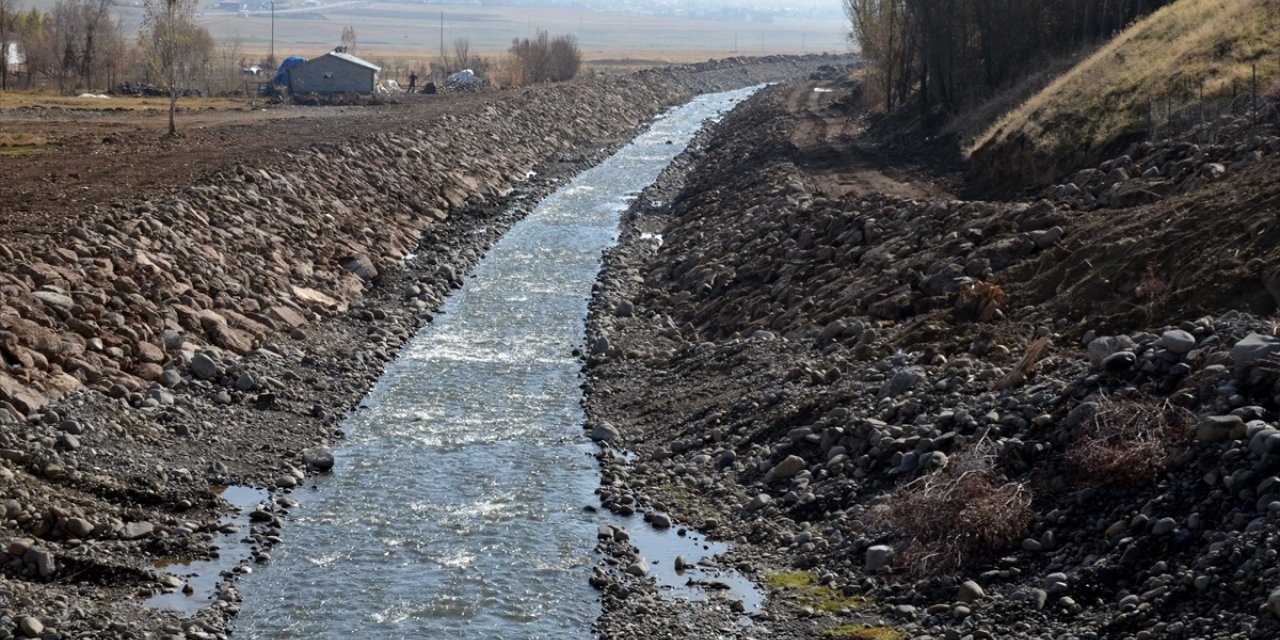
<point x="32" y="28"/>
<point x="566" y="58"/>
<point x="544" y="59"/>
<point x="349" y="39"/>
<point x="950" y="52"/>
<point x="7" y="10"/>
<point x="460" y="58"/>
<point x="96" y="26"/>
<point x="176" y="49"/>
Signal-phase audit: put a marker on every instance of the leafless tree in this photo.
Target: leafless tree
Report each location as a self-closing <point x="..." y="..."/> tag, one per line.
<point x="947" y="52"/>
<point x="7" y="16"/>
<point x="566" y="58"/>
<point x="543" y="59"/>
<point x="349" y="39"/>
<point x="177" y="50"/>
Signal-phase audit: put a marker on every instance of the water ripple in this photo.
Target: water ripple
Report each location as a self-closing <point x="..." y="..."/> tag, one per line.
<point x="455" y="507"/>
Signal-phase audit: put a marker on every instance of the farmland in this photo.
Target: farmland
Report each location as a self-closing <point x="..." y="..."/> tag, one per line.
<point x="405" y="32"/>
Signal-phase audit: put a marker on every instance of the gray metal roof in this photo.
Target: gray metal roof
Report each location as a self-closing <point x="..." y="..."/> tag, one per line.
<point x="352" y="59"/>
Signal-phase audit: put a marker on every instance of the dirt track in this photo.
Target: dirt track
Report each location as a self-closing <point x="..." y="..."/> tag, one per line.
<point x="827" y="134"/>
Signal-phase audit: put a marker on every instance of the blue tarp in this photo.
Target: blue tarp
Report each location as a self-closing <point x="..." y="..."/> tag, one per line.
<point x="282" y="74"/>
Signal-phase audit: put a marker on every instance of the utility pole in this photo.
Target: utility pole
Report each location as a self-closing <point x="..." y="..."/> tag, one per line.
<point x="735" y="41"/>
<point x="441" y="37"/>
<point x="271" y="55"/>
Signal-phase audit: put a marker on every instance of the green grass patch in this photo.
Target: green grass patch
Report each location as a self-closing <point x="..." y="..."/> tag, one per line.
<point x="864" y="632"/>
<point x="22" y="150"/>
<point x="791" y="580"/>
<point x="807" y="591"/>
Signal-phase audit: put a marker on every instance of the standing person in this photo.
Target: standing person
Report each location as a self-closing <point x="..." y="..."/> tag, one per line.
<point x="413" y="80"/>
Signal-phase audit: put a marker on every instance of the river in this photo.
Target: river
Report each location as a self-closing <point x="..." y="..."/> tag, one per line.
<point x="457" y="506"/>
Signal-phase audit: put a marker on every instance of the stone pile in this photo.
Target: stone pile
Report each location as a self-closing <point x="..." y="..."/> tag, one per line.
<point x="258" y="250"/>
<point x="761" y="250"/>
<point x="753" y="371"/>
<point x="1157" y="169"/>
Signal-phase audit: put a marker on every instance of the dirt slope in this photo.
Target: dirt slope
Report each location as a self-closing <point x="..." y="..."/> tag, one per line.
<point x="1189" y="53"/>
<point x="838" y="382"/>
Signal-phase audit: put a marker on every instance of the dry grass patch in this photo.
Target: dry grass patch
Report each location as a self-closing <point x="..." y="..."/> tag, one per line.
<point x="1126" y="441"/>
<point x="964" y="511"/>
<point x="45" y="100"/>
<point x="1184" y="43"/>
<point x="864" y="632"/>
<point x="21" y="144"/>
<point x="22" y="140"/>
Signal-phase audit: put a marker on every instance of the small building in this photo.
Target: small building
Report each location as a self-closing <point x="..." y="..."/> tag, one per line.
<point x="334" y="72"/>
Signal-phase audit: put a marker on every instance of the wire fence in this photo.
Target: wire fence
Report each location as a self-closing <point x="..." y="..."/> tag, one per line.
<point x="1209" y="110"/>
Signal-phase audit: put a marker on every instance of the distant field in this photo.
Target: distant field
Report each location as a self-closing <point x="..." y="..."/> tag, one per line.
<point x="410" y="31"/>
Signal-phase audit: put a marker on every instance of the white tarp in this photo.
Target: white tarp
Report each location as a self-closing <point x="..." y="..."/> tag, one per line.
<point x="464" y="78"/>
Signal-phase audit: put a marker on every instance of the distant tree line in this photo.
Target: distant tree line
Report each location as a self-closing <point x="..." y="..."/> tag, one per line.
<point x="947" y="52"/>
<point x="79" y="45"/>
<point x="76" y="44"/>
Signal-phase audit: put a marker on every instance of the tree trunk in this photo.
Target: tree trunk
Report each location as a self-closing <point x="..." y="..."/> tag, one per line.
<point x="4" y="49"/>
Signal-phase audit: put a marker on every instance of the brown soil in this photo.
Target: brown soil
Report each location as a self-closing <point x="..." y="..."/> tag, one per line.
<point x="840" y="158"/>
<point x="100" y="156"/>
<point x="1191" y="255"/>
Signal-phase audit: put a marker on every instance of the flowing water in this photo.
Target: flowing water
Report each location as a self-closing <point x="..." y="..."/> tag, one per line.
<point x="456" y="507"/>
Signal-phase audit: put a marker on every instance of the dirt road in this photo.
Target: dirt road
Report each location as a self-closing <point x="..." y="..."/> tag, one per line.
<point x="839" y="158"/>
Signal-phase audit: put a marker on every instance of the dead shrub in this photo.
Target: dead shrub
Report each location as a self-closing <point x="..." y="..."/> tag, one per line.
<point x="1152" y="290"/>
<point x="952" y="516"/>
<point x="1125" y="441"/>
<point x="980" y="300"/>
<point x="1026" y="368"/>
<point x="546" y="59"/>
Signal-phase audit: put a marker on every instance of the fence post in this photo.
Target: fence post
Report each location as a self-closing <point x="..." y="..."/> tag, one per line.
<point x="1201" y="102"/>
<point x="1254" y="89"/>
<point x="1151" y="124"/>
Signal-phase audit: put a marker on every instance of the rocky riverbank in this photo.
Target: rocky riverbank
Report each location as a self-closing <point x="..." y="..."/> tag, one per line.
<point x="218" y="336"/>
<point x="908" y="433"/>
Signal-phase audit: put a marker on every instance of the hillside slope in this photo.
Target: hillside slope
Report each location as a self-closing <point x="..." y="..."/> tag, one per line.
<point x="1104" y="103"/>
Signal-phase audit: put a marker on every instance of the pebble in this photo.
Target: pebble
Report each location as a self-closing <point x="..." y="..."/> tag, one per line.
<point x="639" y="568"/>
<point x="31" y="627"/>
<point x="877" y="558"/>
<point x="970" y="591"/>
<point x="1163" y="526"/>
<point x="604" y="432"/>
